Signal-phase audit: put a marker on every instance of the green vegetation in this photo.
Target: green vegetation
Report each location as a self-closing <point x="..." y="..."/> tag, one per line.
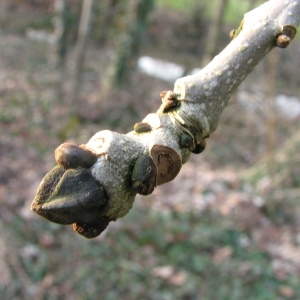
<point x="147" y="255"/>
<point x="234" y="12"/>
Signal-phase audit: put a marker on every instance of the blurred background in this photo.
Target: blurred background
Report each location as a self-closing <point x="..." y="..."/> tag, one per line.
<point x="227" y="227"/>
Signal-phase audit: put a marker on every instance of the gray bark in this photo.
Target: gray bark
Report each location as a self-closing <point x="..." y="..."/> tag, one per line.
<point x="164" y="140"/>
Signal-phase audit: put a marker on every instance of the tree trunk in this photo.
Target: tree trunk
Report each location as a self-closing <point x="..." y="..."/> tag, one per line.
<point x="83" y="31"/>
<point x="130" y="42"/>
<point x="107" y="20"/>
<point x="271" y="68"/>
<point x="60" y="24"/>
<point x="214" y="29"/>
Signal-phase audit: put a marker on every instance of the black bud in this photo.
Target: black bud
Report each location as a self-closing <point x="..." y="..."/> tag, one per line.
<point x="143" y="176"/>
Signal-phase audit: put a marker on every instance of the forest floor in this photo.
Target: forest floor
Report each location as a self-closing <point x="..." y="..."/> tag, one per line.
<point x="216" y="232"/>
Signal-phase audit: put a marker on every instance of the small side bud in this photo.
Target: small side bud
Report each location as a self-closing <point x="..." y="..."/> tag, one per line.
<point x="169" y="101"/>
<point x="142" y="127"/>
<point x="199" y="147"/>
<point x="143" y="176"/>
<point x="186" y="141"/>
<point x="71" y="156"/>
<point x="235" y="32"/>
<point x="282" y="41"/>
<point x="288" y="32"/>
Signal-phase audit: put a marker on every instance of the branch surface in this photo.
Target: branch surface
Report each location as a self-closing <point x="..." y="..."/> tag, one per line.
<point x="96" y="183"/>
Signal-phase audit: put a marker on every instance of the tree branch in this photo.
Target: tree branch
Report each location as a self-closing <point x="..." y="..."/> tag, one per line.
<point x="96" y="183"/>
